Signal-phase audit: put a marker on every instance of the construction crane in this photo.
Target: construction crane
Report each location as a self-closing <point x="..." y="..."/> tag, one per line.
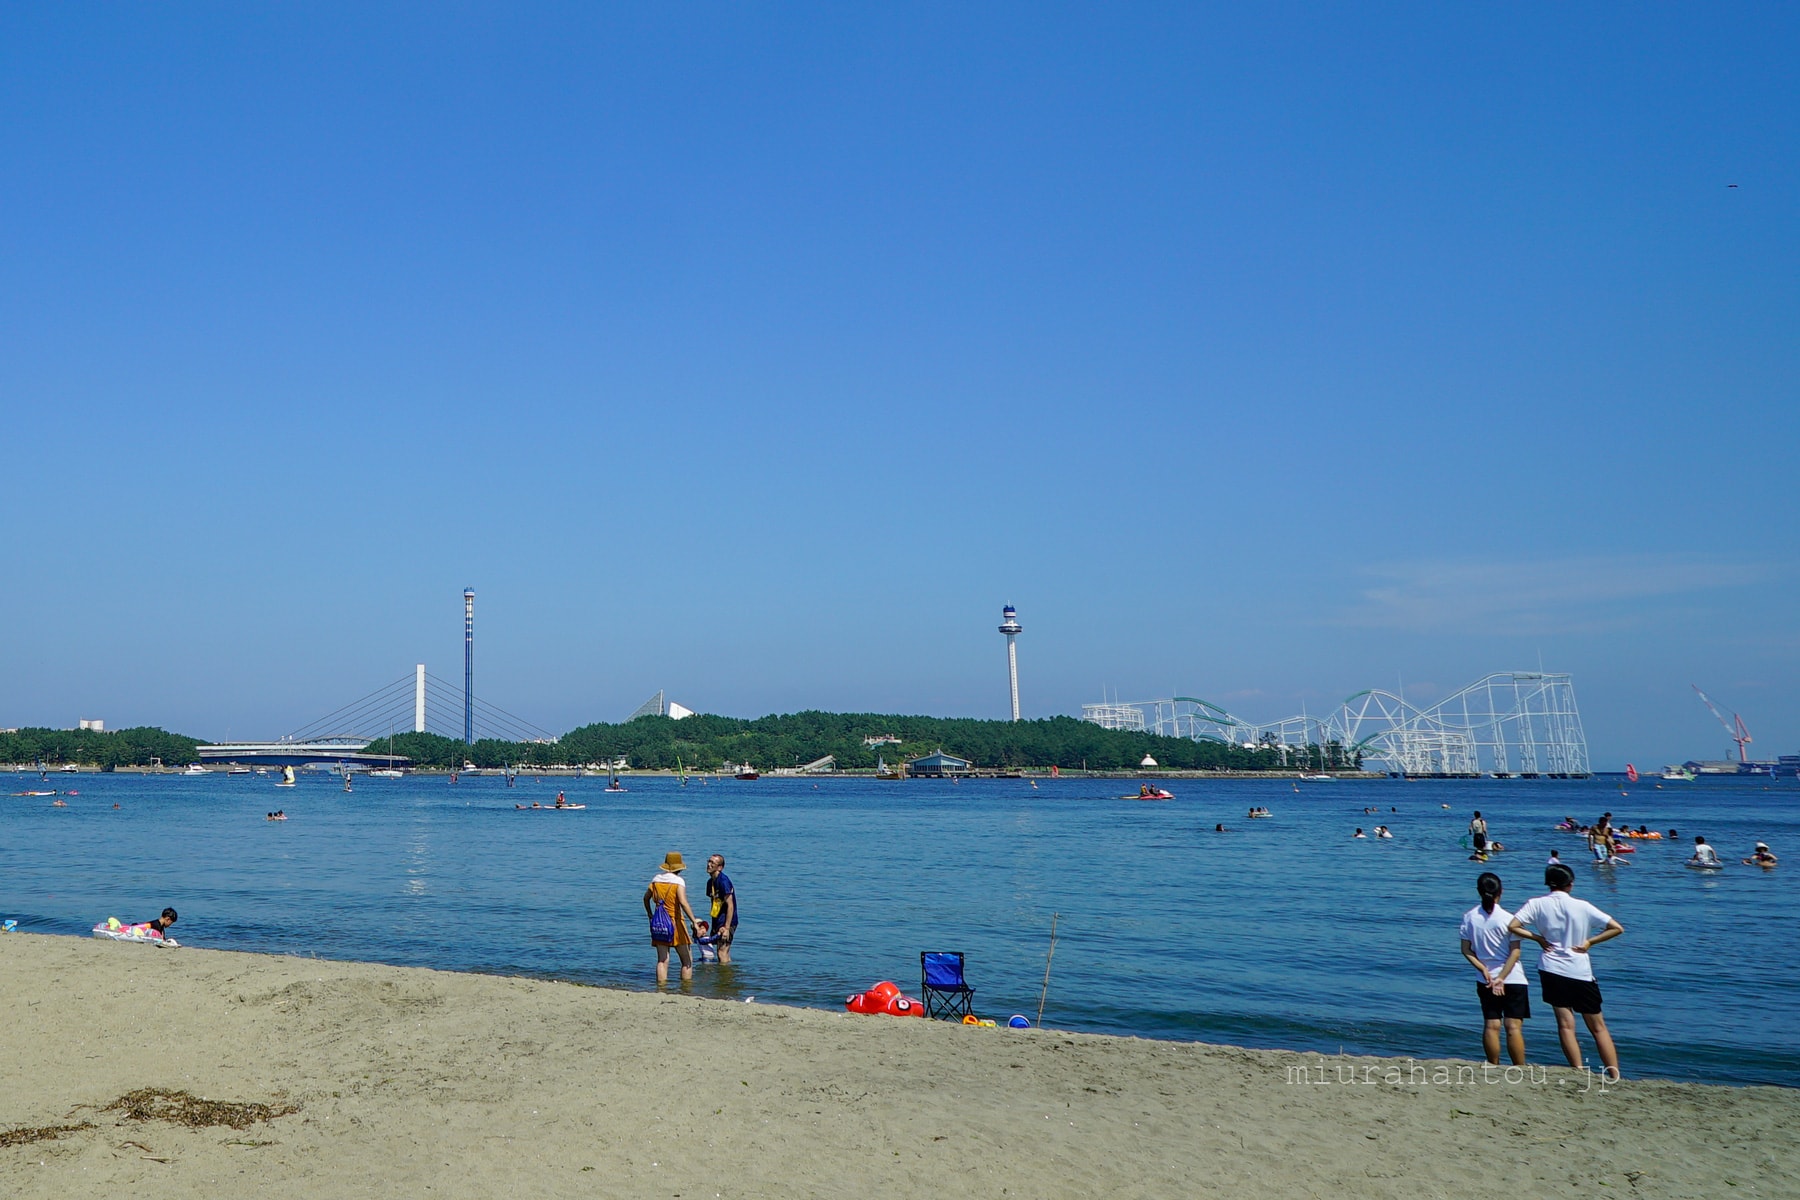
<point x="1734" y="727"/>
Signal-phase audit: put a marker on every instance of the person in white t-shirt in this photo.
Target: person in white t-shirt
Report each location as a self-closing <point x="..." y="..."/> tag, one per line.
<point x="1566" y="929"/>
<point x="1704" y="855"/>
<point x="1492" y="949"/>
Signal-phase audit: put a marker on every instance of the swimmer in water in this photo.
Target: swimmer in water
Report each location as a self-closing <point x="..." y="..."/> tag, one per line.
<point x="1764" y="857"/>
<point x="1358" y="834"/>
<point x="1704" y="855"/>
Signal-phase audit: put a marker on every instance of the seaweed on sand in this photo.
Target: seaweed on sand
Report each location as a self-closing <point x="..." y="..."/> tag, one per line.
<point x="185" y="1108"/>
<point x="42" y="1133"/>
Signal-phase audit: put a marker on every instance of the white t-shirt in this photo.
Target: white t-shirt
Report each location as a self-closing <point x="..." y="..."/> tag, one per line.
<point x="1486" y="934"/>
<point x="1705" y="853"/>
<point x="1566" y="922"/>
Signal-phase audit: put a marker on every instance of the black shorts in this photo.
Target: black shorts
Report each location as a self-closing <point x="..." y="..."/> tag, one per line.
<point x="1582" y="995"/>
<point x="1514" y="1006"/>
<point x="1480" y="840"/>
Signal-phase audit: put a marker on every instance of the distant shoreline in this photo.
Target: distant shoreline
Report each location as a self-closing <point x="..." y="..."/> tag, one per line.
<point x="1031" y="773"/>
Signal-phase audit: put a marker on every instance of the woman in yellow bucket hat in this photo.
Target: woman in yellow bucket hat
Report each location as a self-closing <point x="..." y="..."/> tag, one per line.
<point x="668" y="891"/>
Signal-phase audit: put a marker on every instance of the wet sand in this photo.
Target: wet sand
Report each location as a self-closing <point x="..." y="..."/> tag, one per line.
<point x="414" y="1082"/>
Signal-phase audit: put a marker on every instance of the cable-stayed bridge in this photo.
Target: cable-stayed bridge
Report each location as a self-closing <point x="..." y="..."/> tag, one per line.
<point x="418" y="702"/>
<point x="1511" y="723"/>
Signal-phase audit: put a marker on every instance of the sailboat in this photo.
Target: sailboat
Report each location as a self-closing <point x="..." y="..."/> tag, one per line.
<point x="681" y="770"/>
<point x="390" y="771"/>
<point x="287" y="777"/>
<point x="612" y="785"/>
<point x="883" y="771"/>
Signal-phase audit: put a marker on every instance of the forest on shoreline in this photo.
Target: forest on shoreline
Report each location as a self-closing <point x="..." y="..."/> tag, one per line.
<point x="140" y="747"/>
<point x="705" y="743"/>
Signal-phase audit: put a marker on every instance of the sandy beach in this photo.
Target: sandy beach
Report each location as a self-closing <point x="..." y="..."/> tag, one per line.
<point x="415" y="1082"/>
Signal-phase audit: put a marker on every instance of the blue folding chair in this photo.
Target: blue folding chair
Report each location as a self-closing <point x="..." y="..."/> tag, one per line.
<point x="941" y="983"/>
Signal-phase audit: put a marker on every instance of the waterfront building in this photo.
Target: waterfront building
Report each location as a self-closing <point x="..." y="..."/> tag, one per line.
<point x="938" y="766"/>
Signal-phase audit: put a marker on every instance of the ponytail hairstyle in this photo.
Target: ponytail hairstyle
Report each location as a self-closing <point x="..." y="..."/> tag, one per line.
<point x="1488" y="885"/>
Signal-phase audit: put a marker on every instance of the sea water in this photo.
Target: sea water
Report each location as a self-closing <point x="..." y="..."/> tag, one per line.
<point x="1283" y="932"/>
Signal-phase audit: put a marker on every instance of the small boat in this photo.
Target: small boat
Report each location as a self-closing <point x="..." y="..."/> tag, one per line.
<point x="1319" y="778"/>
<point x="195" y="769"/>
<point x="388" y="773"/>
<point x="747" y="772"/>
<point x="883" y="771"/>
<point x="1149" y="793"/>
<point x="1677" y="772"/>
<point x="238" y="771"/>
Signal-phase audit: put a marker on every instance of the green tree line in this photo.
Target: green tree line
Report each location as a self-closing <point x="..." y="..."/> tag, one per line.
<point x="704" y="742"/>
<point x="88" y="748"/>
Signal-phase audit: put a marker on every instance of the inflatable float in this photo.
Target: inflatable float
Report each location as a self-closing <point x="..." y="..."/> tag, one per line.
<point x="885" y="997"/>
<point x="143" y="931"/>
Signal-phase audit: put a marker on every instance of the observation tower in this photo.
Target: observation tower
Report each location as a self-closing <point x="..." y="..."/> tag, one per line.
<point x="1009" y="625"/>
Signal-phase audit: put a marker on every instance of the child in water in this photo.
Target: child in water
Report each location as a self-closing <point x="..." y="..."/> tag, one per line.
<point x="706" y="942"/>
<point x="157" y="929"/>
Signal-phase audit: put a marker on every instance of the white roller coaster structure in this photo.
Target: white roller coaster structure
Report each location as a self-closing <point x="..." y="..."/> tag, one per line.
<point x="1511" y="723"/>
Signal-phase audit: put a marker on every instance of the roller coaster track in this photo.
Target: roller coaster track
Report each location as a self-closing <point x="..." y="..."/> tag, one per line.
<point x="1509" y="723"/>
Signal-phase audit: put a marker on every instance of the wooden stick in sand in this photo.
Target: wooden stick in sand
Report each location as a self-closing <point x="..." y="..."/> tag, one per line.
<point x="1048" y="959"/>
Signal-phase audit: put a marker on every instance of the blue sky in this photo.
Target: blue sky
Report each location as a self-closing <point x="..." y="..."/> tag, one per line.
<point x="761" y="354"/>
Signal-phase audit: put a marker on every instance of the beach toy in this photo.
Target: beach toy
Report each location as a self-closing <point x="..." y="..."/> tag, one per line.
<point x="885" y="997"/>
<point x="9" y="926"/>
<point x="971" y="1019"/>
<point x="1018" y="1021"/>
<point x="904" y="1006"/>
